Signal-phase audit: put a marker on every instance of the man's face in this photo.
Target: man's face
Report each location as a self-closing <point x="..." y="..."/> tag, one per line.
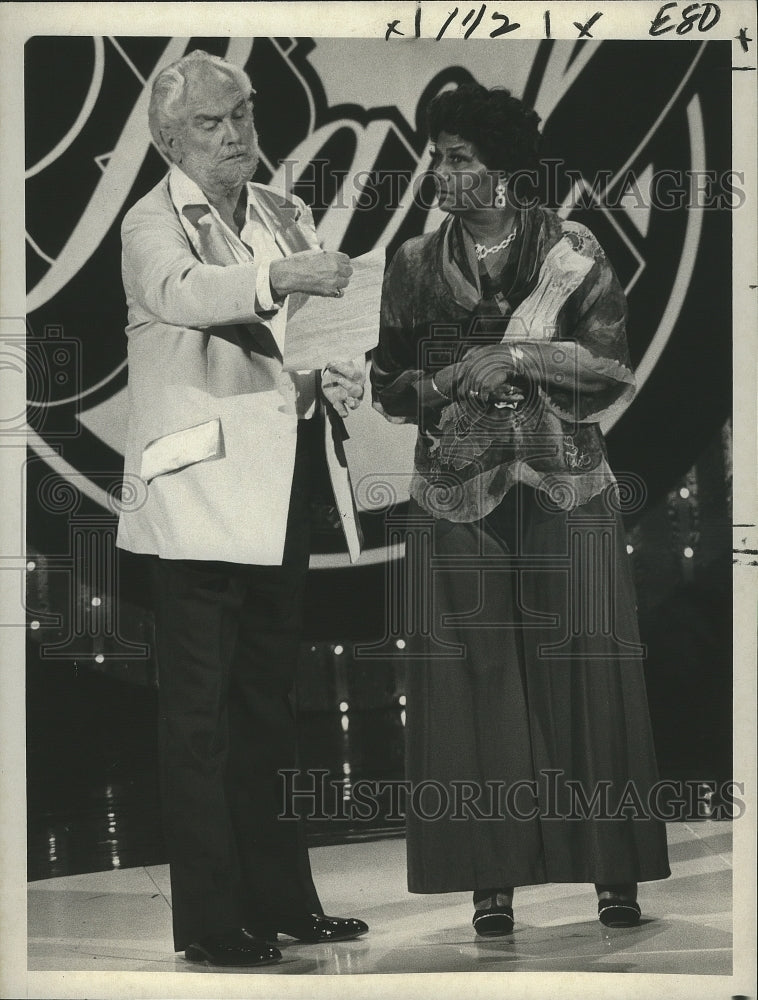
<point x="215" y="142"/>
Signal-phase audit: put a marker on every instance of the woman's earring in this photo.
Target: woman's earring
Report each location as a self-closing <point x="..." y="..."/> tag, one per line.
<point x="500" y="195"/>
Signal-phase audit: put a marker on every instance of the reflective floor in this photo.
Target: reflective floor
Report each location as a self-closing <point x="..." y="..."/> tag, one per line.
<point x="120" y="920"/>
<point x="92" y="771"/>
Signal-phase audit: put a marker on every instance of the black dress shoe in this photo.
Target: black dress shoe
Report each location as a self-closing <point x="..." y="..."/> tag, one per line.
<point x="492" y="919"/>
<point x="313" y="928"/>
<point x="238" y="948"/>
<point x="618" y="912"/>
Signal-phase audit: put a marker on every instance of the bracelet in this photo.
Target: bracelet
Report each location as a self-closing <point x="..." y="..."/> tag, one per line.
<point x="439" y="391"/>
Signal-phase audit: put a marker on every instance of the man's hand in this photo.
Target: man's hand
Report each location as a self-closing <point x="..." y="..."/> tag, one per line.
<point x="313" y="272"/>
<point x="342" y="383"/>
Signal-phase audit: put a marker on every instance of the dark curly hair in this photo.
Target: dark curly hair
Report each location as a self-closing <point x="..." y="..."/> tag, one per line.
<point x="505" y="132"/>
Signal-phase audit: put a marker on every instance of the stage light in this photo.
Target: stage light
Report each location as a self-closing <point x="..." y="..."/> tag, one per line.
<point x="339" y="650"/>
<point x="400" y="643"/>
<point x="96" y="602"/>
<point x="688" y="553"/>
<point x="99" y="658"/>
<point x="684" y="493"/>
<point x="344" y="706"/>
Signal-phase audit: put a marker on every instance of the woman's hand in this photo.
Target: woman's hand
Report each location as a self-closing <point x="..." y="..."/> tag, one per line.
<point x="444" y="381"/>
<point x="503" y="396"/>
<point x="487" y="375"/>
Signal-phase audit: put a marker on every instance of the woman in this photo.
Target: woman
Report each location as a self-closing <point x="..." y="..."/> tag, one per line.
<point x="503" y="337"/>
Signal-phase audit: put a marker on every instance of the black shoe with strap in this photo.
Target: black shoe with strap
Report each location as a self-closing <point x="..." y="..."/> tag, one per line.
<point x="312" y="928"/>
<point x="232" y="948"/>
<point x="493" y="914"/>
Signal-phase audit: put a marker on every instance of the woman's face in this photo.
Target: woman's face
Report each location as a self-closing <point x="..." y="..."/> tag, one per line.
<point x="464" y="183"/>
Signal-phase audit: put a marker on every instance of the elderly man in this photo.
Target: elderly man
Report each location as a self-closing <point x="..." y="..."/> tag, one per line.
<point x="228" y="445"/>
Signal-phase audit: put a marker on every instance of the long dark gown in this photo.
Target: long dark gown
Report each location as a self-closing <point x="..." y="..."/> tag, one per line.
<point x="541" y="717"/>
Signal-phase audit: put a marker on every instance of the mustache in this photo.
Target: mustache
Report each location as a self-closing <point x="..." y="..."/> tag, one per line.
<point x="247" y="159"/>
<point x="248" y="152"/>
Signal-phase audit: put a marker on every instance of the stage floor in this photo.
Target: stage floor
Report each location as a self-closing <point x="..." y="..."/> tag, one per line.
<point x="120" y="920"/>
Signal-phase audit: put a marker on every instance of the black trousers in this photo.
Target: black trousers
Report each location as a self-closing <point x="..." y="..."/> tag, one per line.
<point x="227" y="638"/>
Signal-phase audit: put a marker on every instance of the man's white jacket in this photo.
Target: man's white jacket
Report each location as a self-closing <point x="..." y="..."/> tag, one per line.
<point x="213" y="416"/>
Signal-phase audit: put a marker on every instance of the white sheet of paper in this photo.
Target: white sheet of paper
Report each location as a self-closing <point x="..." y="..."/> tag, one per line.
<point x="329" y="329"/>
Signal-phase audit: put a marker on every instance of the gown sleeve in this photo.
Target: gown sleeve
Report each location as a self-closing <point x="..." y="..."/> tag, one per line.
<point x="401" y="387"/>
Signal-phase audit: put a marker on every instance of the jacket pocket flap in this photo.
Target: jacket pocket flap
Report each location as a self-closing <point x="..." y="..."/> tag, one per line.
<point x="182" y="448"/>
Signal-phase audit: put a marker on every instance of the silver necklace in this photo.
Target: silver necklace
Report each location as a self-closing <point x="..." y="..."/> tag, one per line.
<point x="483" y="251"/>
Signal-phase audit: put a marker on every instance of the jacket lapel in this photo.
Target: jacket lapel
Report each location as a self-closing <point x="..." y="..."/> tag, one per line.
<point x="278" y="214"/>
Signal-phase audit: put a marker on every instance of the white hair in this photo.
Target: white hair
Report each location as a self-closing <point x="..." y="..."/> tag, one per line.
<point x="170" y="85"/>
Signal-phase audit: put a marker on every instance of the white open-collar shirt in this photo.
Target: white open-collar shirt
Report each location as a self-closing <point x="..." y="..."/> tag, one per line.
<point x="256" y="243"/>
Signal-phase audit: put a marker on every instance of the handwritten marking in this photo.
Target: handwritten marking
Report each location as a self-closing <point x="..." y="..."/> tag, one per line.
<point x="477" y="19"/>
<point x="506" y="26"/>
<point x="656" y="25"/>
<point x="473" y="19"/>
<point x="584" y="29"/>
<point x="743" y="39"/>
<point x="446" y="25"/>
<point x="690" y="14"/>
